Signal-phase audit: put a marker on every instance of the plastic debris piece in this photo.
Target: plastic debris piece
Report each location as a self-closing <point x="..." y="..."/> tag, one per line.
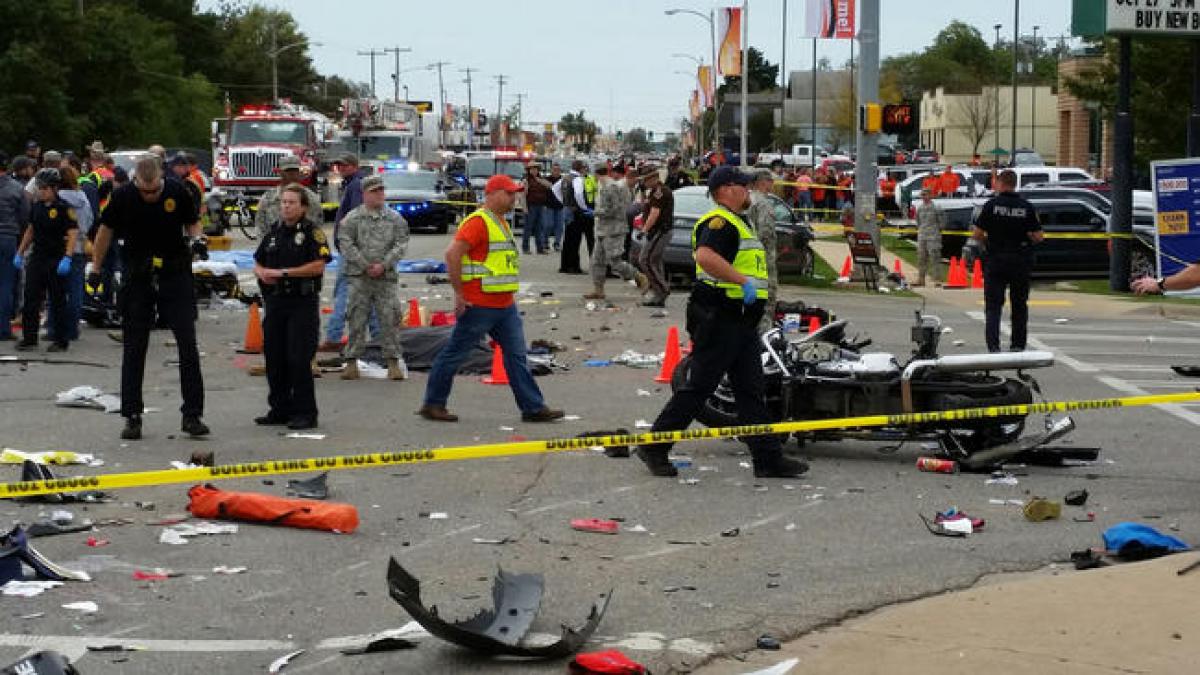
<point x="498" y="630"/>
<point x="96" y="543"/>
<point x="732" y="532"/>
<point x="156" y="575"/>
<point x="85" y="606"/>
<point x="781" y="668"/>
<point x="1076" y="497"/>
<point x="1002" y="478"/>
<point x="789" y="527"/>
<point x="769" y="643"/>
<point x="642" y="424"/>
<point x="223" y="569"/>
<point x="438" y="515"/>
<point x="85" y="396"/>
<point x="28" y="589"/>
<point x="494" y="542"/>
<point x="280" y="663"/>
<point x="637" y="528"/>
<point x="386" y="644"/>
<point x="316" y="487"/>
<point x="689" y="481"/>
<point x="643" y="392"/>
<point x="1061" y="320"/>
<point x="596" y="525"/>
<point x="607" y="662"/>
<point x="305" y="436"/>
<point x="571" y="418"/>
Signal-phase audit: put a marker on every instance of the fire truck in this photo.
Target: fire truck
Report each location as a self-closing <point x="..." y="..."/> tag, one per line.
<point x="247" y="148"/>
<point x="385" y="134"/>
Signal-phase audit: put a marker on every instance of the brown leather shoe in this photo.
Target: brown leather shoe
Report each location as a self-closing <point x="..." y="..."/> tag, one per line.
<point x="437" y="413"/>
<point x="329" y="346"/>
<point x="543" y="415"/>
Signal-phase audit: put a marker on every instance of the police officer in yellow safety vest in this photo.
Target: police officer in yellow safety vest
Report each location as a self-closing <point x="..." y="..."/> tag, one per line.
<point x="727" y="301"/>
<point x="484" y="270"/>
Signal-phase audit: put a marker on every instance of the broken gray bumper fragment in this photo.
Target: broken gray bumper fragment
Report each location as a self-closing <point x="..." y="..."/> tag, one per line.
<point x="498" y="631"/>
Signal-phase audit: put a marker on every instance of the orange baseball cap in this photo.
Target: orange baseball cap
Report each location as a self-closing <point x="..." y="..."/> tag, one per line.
<point x="502" y="182"/>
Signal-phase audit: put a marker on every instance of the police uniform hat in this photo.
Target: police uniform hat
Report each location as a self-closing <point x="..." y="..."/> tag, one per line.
<point x="179" y="159"/>
<point x="48" y="178"/>
<point x="31" y="144"/>
<point x="372" y="183"/>
<point x="289" y="163"/>
<point x="726" y="175"/>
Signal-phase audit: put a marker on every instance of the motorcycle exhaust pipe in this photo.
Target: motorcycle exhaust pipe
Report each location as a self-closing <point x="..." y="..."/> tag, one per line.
<point x="960" y="363"/>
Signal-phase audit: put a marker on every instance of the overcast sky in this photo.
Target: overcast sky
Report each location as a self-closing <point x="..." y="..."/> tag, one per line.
<point x="611" y="58"/>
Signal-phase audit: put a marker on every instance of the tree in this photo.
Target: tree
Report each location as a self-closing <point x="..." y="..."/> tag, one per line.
<point x="759" y="129"/>
<point x="982" y="116"/>
<point x="579" y="130"/>
<point x="784" y="137"/>
<point x="671" y="142"/>
<point x="637" y="140"/>
<point x="842" y="119"/>
<point x="764" y="75"/>
<point x="247" y="36"/>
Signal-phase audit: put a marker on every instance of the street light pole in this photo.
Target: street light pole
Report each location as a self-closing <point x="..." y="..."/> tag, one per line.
<point x="745" y="36"/>
<point x="996" y="87"/>
<point x="470" y="110"/>
<point x="1016" y="43"/>
<point x="273" y="54"/>
<point x="396" y="85"/>
<point x="699" y="62"/>
<point x="1033" y="92"/>
<point x="712" y="27"/>
<point x="442" y="101"/>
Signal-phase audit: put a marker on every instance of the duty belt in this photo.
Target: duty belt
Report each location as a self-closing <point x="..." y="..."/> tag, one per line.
<point x="292" y="288"/>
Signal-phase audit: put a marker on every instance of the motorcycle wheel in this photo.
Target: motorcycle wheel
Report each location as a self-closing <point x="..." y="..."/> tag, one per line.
<point x="990" y="432"/>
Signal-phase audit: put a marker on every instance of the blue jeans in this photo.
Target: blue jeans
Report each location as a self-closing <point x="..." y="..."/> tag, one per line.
<point x="804" y="201"/>
<point x="535" y="225"/>
<point x="337" y="321"/>
<point x="555" y="222"/>
<point x="504" y="326"/>
<point x="8" y="284"/>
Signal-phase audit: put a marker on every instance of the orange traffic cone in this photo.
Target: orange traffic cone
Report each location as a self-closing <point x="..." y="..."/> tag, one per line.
<point x="252" y="343"/>
<point x="977" y="275"/>
<point x="414" y="314"/>
<point x="847" y="268"/>
<point x="671" y="358"/>
<point x="814" y="324"/>
<point x="499" y="375"/>
<point x="956" y="277"/>
<point x="898" y="269"/>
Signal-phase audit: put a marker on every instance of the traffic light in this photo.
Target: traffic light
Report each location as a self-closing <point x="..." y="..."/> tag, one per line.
<point x="898" y="119"/>
<point x="870" y="118"/>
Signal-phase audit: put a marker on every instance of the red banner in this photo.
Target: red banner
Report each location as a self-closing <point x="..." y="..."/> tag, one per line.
<point x="830" y="19"/>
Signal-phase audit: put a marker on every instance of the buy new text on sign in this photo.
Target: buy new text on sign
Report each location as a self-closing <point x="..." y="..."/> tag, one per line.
<point x="1179" y="18"/>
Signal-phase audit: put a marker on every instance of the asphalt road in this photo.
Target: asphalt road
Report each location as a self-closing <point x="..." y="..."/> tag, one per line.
<point x="843" y="540"/>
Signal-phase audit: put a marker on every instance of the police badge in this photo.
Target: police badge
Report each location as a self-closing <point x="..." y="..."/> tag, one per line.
<point x="299" y="238"/>
<point x="169" y="205"/>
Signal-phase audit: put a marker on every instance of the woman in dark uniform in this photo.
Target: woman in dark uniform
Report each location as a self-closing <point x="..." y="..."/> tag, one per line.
<point x="289" y="263"/>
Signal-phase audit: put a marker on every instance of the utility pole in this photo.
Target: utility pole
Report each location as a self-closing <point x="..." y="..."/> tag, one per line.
<point x="470" y="110"/>
<point x="813" y="99"/>
<point x="500" y="80"/>
<point x="783" y="74"/>
<point x="866" y="170"/>
<point x="396" y="76"/>
<point x="1033" y="91"/>
<point x="442" y="102"/>
<point x="520" y="117"/>
<point x="1012" y="149"/>
<point x="996" y="86"/>
<point x="372" y="53"/>
<point x="745" y="36"/>
<point x="1120" y="222"/>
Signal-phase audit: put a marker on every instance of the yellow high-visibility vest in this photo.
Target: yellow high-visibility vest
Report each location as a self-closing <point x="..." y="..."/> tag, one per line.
<point x="499" y="272"/>
<point x="751" y="259"/>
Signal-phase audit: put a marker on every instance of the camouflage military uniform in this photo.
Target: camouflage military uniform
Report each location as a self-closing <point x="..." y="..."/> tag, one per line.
<point x="268" y="210"/>
<point x="612" y="201"/>
<point x="761" y="217"/>
<point x="368" y="236"/>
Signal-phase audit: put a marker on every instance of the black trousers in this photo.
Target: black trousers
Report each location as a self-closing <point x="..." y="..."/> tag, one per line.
<point x="172" y="295"/>
<point x="1006" y="270"/>
<point x="291" y="328"/>
<point x="42" y="280"/>
<point x="582" y="226"/>
<point x="722" y="343"/>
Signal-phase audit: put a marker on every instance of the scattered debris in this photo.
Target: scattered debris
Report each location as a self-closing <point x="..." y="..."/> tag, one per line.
<point x="609" y="661"/>
<point x="60" y="457"/>
<point x="96" y="543"/>
<point x="1061" y="320"/>
<point x="439" y="515"/>
<point x="496" y="631"/>
<point x="1006" y="502"/>
<point x="732" y="532"/>
<point x="16" y="550"/>
<point x="1038" y="509"/>
<point x="637" y="529"/>
<point x="84" y="606"/>
<point x="642" y="424"/>
<point x="46" y="528"/>
<point x="305" y="436"/>
<point x="1088" y="559"/>
<point x="385" y="644"/>
<point x="280" y="663"/>
<point x="1189" y="568"/>
<point x="178" y="534"/>
<point x="940" y="529"/>
<point x="494" y="542"/>
<point x="314" y="488"/>
<point x="157" y="575"/>
<point x="689" y="481"/>
<point x="596" y="525"/>
<point x="954" y="520"/>
<point x="1076" y="497"/>
<point x="206" y="501"/>
<point x="781" y="668"/>
<point x="635" y="359"/>
<point x="86" y="396"/>
<point x="1135" y="541"/>
<point x="1002" y="478"/>
<point x="223" y="569"/>
<point x="27" y="589"/>
<point x="769" y="643"/>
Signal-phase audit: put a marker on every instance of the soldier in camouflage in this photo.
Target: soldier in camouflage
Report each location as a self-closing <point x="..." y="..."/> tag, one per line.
<point x="761" y="217"/>
<point x="268" y="205"/>
<point x="372" y="239"/>
<point x="612" y="201"/>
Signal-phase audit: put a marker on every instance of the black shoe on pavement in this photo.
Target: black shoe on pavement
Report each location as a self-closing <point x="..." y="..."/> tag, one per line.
<point x="619" y="451"/>
<point x="271" y="419"/>
<point x="543" y="415"/>
<point x="299" y="423"/>
<point x="653" y="303"/>
<point x="26" y="346"/>
<point x="781" y="467"/>
<point x="192" y="426"/>
<point x="133" y="428"/>
<point x="57" y="347"/>
<point x="657" y="462"/>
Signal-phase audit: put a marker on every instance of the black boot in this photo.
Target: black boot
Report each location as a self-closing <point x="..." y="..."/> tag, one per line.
<point x="192" y="426"/>
<point x="778" y="466"/>
<point x="133" y="428"/>
<point x="657" y="462"/>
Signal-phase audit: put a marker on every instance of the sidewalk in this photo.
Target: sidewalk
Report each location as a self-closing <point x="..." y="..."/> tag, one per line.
<point x="1063" y="303"/>
<point x="1131" y="618"/>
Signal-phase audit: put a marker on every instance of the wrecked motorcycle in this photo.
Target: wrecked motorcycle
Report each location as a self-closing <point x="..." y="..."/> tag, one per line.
<point x="826" y="375"/>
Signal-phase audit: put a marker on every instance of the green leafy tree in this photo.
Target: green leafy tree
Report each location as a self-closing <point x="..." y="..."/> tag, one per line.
<point x="759" y="129"/>
<point x="579" y="129"/>
<point x="764" y="75"/>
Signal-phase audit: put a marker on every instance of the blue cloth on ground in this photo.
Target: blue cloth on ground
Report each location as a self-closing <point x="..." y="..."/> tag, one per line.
<point x="1136" y="539"/>
<point x="245" y="261"/>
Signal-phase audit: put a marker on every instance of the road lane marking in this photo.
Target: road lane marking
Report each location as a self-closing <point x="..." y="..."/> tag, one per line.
<point x="1172" y="408"/>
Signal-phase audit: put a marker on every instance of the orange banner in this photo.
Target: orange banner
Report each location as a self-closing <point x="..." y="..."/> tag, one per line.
<point x="694" y="104"/>
<point x="704" y="76"/>
<point x="729" y="55"/>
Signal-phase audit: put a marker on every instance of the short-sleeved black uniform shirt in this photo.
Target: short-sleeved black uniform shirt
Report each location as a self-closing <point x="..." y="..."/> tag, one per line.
<point x="722" y="237"/>
<point x="1008" y="219"/>
<point x="155" y="229"/>
<point x="660" y="197"/>
<point x="292" y="246"/>
<point x="50" y="224"/>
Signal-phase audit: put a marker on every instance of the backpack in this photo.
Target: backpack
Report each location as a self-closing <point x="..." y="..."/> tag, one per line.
<point x="568" y="192"/>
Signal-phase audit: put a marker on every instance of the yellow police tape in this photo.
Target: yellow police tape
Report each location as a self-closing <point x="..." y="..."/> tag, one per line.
<point x="117" y="481"/>
<point x="967" y="233"/>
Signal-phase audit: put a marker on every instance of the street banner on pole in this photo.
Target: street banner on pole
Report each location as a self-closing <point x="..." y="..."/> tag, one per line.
<point x="829" y="19"/>
<point x="729" y="30"/>
<point x="694" y="105"/>
<point x="1177" y="213"/>
<point x="704" y="76"/>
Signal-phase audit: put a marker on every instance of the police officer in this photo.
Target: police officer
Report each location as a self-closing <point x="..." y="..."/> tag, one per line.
<point x="1008" y="228"/>
<point x="723" y="312"/>
<point x="268" y="205"/>
<point x="372" y="239"/>
<point x="53" y="228"/>
<point x="156" y="221"/>
<point x="289" y="264"/>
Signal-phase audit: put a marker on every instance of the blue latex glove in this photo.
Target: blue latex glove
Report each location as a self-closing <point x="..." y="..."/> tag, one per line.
<point x="589" y="213"/>
<point x="64" y="266"/>
<point x="749" y="292"/>
<point x="18" y="261"/>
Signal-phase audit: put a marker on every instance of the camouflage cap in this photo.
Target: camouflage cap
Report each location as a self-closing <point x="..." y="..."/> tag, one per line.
<point x="372" y="183"/>
<point x="289" y="162"/>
